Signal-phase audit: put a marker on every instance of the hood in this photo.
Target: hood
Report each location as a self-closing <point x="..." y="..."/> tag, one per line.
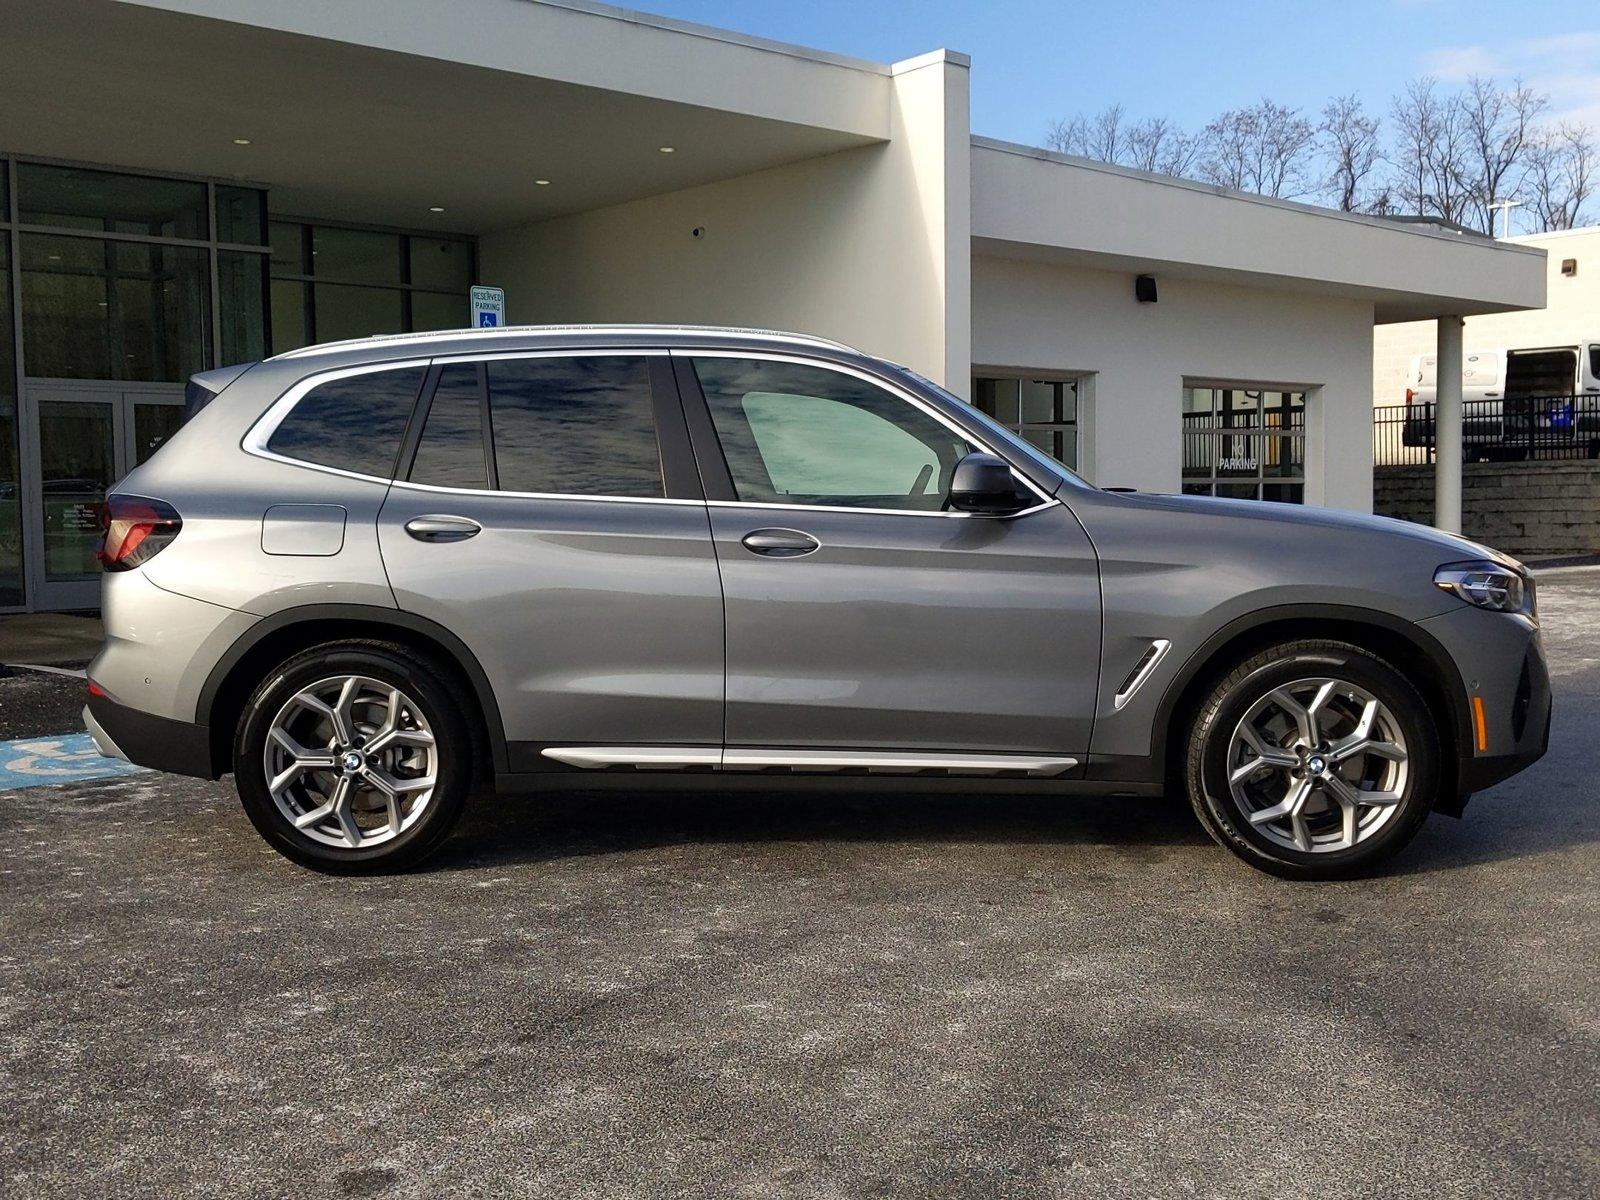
<point x="1437" y="543"/>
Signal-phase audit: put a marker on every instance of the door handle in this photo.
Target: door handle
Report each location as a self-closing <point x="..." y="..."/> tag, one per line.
<point x="779" y="543"/>
<point x="442" y="529"/>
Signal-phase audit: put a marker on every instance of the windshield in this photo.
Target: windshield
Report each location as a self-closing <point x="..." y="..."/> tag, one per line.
<point x="1008" y="440"/>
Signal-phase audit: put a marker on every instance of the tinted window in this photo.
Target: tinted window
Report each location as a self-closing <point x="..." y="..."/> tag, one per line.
<point x="574" y="426"/>
<point x="450" y="453"/>
<point x="794" y="434"/>
<point x="354" y="424"/>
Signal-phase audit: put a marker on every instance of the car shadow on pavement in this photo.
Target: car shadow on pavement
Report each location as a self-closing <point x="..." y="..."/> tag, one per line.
<point x="524" y="829"/>
<point x="1515" y="821"/>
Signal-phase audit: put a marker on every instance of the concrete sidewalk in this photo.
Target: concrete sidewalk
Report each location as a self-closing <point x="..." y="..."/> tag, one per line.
<point x="50" y="639"/>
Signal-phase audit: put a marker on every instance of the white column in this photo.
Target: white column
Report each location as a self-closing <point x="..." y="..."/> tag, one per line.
<point x="1447" y="428"/>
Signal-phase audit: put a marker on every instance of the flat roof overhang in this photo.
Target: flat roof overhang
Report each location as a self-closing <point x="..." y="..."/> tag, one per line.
<point x="1037" y="206"/>
<point x="378" y="111"/>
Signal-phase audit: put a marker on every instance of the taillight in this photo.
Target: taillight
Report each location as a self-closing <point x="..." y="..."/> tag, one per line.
<point x="1410" y="396"/>
<point x="134" y="529"/>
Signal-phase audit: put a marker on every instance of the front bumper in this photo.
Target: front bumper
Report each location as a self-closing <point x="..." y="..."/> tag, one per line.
<point x="1503" y="673"/>
<point x="146" y="740"/>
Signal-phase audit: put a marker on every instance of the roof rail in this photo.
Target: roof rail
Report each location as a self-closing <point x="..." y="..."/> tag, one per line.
<point x="387" y="339"/>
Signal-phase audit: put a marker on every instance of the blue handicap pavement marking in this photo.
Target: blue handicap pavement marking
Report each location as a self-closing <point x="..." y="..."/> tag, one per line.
<point x="34" y="762"/>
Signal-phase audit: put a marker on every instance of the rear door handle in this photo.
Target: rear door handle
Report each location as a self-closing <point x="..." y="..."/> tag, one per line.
<point x="442" y="529"/>
<point x="779" y="543"/>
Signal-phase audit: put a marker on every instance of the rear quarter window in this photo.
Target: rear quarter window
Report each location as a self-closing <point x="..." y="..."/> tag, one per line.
<point x="354" y="424"/>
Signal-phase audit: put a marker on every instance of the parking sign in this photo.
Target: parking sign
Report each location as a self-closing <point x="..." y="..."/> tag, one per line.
<point x="488" y="307"/>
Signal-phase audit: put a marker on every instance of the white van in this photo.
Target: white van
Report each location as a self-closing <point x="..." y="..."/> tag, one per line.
<point x="1554" y="394"/>
<point x="1495" y="374"/>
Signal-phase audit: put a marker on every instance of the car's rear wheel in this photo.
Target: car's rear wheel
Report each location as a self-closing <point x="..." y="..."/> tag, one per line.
<point x="1313" y="760"/>
<point x="355" y="757"/>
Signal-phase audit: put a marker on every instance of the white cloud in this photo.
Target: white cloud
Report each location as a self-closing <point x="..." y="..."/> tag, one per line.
<point x="1457" y="63"/>
<point x="1566" y="67"/>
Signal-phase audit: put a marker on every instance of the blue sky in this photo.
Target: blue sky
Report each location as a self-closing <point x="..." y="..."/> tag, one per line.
<point x="1034" y="60"/>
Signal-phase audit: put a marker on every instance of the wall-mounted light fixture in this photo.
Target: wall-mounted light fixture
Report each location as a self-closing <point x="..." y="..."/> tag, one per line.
<point x="1144" y="289"/>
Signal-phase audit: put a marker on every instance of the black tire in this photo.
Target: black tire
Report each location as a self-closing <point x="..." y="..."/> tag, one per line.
<point x="438" y="698"/>
<point x="1231" y="697"/>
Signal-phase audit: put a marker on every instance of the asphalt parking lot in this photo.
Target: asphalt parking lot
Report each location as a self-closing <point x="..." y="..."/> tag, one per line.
<point x="807" y="996"/>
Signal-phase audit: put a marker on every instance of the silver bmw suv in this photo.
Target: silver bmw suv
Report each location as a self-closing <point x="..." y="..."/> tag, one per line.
<point x="371" y="579"/>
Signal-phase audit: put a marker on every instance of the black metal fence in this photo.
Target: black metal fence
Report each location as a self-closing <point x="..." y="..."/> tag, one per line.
<point x="1534" y="427"/>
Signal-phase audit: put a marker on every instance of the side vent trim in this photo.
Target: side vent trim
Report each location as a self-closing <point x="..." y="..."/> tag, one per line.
<point x="1142" y="670"/>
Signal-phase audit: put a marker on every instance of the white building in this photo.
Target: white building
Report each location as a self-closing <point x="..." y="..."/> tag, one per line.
<point x="1571" y="315"/>
<point x="228" y="177"/>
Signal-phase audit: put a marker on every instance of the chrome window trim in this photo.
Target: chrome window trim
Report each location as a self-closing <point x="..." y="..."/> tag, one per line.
<point x="439" y="489"/>
<point x="256" y="438"/>
<point x="902" y="393"/>
<point x="883" y="512"/>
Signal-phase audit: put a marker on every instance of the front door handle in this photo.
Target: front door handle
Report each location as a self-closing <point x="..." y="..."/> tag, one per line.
<point x="442" y="529"/>
<point x="779" y="543"/>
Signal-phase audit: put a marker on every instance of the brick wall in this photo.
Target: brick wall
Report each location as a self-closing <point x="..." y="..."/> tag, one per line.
<point x="1532" y="509"/>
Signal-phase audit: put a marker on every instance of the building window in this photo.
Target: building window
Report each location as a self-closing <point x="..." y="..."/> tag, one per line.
<point x="1046" y="412"/>
<point x="118" y="273"/>
<point x="332" y="282"/>
<point x="1244" y="443"/>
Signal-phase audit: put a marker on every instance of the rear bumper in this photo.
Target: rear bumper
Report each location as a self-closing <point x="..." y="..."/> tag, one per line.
<point x="159" y="743"/>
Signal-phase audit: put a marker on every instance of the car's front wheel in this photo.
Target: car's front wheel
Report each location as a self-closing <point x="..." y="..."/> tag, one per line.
<point x="1313" y="760"/>
<point x="355" y="757"/>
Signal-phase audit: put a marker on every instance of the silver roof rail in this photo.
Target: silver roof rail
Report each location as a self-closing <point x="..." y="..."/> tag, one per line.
<point x="391" y="339"/>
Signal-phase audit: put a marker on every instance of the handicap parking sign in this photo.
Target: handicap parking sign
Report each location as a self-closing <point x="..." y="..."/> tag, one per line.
<point x="488" y="306"/>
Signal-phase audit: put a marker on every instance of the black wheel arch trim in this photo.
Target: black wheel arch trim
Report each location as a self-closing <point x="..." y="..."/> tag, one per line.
<point x="376" y="619"/>
<point x="1410" y="631"/>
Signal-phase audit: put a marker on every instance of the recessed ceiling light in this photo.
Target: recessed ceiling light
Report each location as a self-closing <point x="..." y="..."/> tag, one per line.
<point x="542" y="182"/>
<point x="668" y="149"/>
<point x="435" y="208"/>
<point x="241" y="141"/>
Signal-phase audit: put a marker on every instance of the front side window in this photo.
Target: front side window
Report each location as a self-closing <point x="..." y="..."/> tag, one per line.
<point x="354" y="423"/>
<point x="581" y="426"/>
<point x="798" y="434"/>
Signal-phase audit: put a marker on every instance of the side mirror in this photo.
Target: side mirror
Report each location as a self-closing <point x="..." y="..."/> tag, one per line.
<point x="983" y="483"/>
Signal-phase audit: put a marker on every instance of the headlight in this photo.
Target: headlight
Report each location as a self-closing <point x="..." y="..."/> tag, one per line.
<point x="1487" y="585"/>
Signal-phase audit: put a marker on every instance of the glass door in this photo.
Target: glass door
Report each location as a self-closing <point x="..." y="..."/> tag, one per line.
<point x="85" y="438"/>
<point x="76" y="450"/>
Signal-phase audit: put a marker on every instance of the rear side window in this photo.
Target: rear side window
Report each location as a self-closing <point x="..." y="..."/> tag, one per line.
<point x="580" y="426"/>
<point x="354" y="423"/>
<point x="450" y="452"/>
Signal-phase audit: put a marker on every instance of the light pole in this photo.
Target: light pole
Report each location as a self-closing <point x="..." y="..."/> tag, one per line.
<point x="1504" y="206"/>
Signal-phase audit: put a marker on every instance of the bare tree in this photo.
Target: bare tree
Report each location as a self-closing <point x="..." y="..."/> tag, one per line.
<point x="1153" y="144"/>
<point x="1156" y="144"/>
<point x="1349" y="146"/>
<point x="1452" y="155"/>
<point x="1265" y="148"/>
<point x="1563" y="173"/>
<point x="1498" y="127"/>
<point x="1429" y="153"/>
<point x="1101" y="137"/>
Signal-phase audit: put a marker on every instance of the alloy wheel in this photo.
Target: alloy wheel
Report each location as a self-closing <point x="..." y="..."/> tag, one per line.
<point x="1318" y="765"/>
<point x="351" y="761"/>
